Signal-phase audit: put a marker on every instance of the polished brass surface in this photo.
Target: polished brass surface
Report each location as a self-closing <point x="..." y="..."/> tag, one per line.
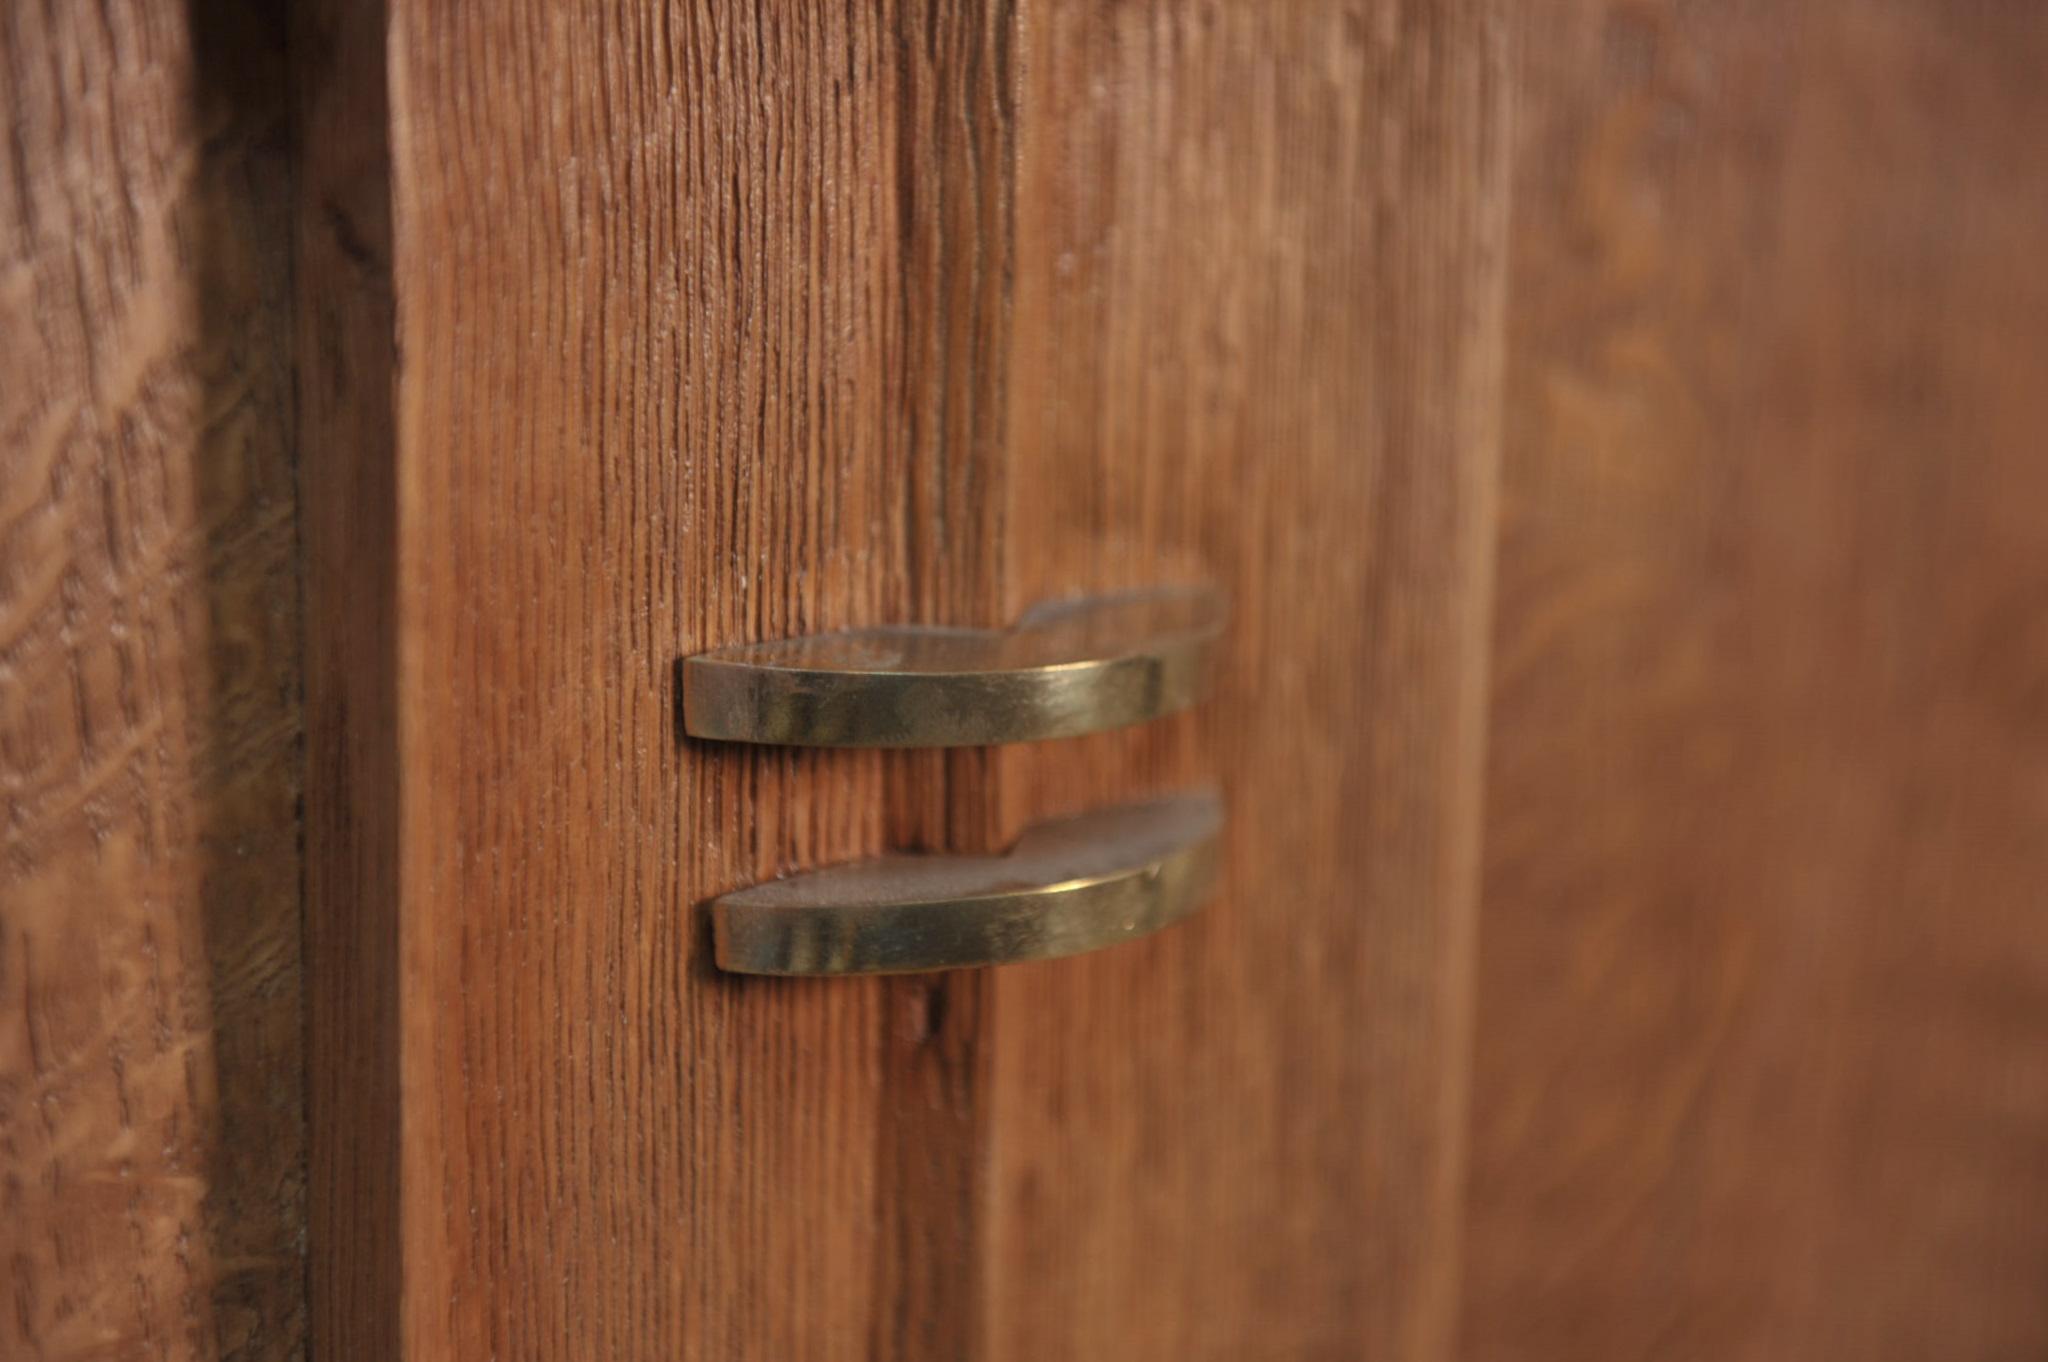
<point x="1065" y="669"/>
<point x="1070" y="886"/>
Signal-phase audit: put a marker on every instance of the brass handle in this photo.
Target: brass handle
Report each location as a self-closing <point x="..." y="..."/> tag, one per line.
<point x="1065" y="669"/>
<point x="1074" y="885"/>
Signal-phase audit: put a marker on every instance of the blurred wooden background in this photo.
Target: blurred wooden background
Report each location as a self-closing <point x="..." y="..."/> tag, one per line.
<point x="1762" y="1063"/>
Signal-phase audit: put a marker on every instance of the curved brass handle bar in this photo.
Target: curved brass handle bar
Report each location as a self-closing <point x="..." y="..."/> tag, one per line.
<point x="1064" y="670"/>
<point x="1070" y="886"/>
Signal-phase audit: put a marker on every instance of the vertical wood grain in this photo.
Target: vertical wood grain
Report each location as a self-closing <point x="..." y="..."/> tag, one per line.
<point x="700" y="315"/>
<point x="714" y="327"/>
<point x="1764" y="960"/>
<point x="151" y="1128"/>
<point x="1257" y="340"/>
<point x="345" y="331"/>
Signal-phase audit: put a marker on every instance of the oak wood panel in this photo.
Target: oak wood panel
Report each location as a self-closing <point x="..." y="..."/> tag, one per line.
<point x="1260" y="271"/>
<point x="151" y="1128"/>
<point x="700" y="321"/>
<point x="1764" y="961"/>
<point x="708" y="327"/>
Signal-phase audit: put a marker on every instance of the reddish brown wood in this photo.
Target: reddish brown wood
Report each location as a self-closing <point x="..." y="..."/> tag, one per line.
<point x="622" y="333"/>
<point x="1257" y="339"/>
<point x="151" y="1126"/>
<point x="710" y="329"/>
<point x="1764" y="971"/>
<point x="701" y="318"/>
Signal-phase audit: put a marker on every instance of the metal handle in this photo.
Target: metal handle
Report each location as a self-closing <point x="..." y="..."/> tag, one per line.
<point x="1065" y="669"/>
<point x="1070" y="886"/>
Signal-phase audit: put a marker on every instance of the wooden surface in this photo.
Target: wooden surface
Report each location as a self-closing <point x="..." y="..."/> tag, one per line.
<point x="1259" y="280"/>
<point x="345" y="334"/>
<point x="1764" y="976"/>
<point x="702" y="321"/>
<point x="151" y="1127"/>
<point x="610" y="334"/>
<point x="717" y="330"/>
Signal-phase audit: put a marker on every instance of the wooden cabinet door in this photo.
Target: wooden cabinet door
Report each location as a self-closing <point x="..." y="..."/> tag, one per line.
<point x="715" y="325"/>
<point x="394" y="392"/>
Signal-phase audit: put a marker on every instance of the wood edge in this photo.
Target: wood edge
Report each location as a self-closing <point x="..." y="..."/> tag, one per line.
<point x="347" y="439"/>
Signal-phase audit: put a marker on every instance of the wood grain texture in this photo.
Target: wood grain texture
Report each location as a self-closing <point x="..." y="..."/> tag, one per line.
<point x="701" y="318"/>
<point x="1257" y="338"/>
<point x="1764" y="958"/>
<point x="711" y="328"/>
<point x="345" y="334"/>
<point x="151" y="1128"/>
